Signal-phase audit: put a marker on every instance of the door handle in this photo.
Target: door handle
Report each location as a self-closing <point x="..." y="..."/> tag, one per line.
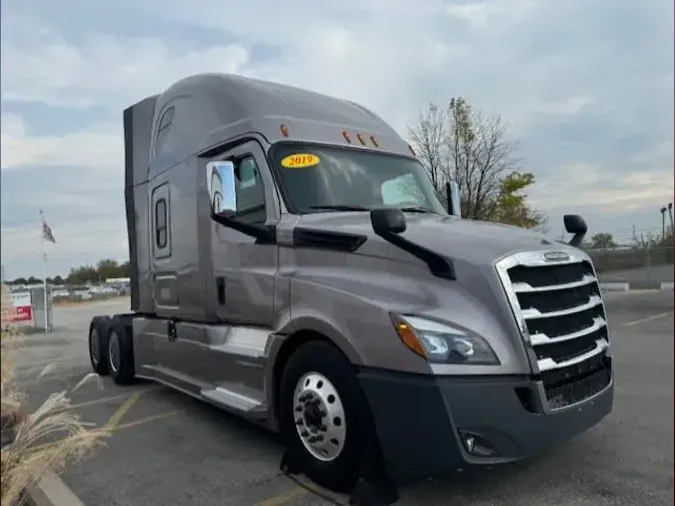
<point x="220" y="290"/>
<point x="171" y="331"/>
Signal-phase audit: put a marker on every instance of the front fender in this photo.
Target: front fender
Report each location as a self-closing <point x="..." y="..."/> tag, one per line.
<point x="353" y="304"/>
<point x="308" y="319"/>
<point x="353" y="308"/>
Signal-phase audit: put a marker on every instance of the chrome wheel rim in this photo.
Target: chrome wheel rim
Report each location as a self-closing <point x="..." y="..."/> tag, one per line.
<point x="114" y="352"/>
<point x="94" y="347"/>
<point x="319" y="417"/>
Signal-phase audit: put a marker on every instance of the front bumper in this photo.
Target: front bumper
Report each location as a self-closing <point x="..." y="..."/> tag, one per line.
<point x="418" y="420"/>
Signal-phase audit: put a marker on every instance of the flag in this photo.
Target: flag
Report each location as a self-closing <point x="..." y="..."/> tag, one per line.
<point x="47" y="234"/>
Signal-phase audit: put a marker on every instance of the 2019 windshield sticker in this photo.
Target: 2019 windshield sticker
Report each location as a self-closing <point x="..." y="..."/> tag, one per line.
<point x="300" y="161"/>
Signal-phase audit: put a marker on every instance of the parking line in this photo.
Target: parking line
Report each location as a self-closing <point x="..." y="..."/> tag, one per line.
<point x="284" y="497"/>
<point x="146" y="420"/>
<point x="107" y="399"/>
<point x="97" y="401"/>
<point x="123" y="425"/>
<point x="114" y="420"/>
<point x="647" y="319"/>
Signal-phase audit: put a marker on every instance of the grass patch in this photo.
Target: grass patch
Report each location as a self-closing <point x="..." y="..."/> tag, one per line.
<point x="47" y="439"/>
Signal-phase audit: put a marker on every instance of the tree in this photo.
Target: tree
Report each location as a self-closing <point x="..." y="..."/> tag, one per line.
<point x="466" y="146"/>
<point x="83" y="275"/>
<point x="105" y="269"/>
<point x="429" y="136"/>
<point x="603" y="240"/>
<point x="511" y="206"/>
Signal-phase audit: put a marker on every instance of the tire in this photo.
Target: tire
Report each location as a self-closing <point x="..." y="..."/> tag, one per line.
<point x="121" y="352"/>
<point x="98" y="345"/>
<point x="313" y="364"/>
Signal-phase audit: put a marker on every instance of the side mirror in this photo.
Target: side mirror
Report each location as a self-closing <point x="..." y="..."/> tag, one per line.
<point x="575" y="224"/>
<point x="220" y="183"/>
<point x="387" y="221"/>
<point x="452" y="195"/>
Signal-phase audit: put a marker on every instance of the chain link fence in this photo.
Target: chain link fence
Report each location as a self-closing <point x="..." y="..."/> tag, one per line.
<point x="640" y="266"/>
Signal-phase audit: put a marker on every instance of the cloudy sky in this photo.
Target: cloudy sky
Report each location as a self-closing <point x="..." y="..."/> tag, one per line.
<point x="586" y="86"/>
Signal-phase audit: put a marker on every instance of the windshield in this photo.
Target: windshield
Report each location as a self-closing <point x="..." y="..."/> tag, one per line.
<point x="320" y="178"/>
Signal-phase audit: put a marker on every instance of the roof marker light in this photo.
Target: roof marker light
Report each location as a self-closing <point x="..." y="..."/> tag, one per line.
<point x="410" y="148"/>
<point x="374" y="141"/>
<point x="284" y="130"/>
<point x="347" y="137"/>
<point x="361" y="140"/>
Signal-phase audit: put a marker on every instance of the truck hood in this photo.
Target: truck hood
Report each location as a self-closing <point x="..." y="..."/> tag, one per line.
<point x="475" y="242"/>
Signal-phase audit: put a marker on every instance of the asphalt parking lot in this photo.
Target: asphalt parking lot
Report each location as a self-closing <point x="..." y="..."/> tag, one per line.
<point x="168" y="449"/>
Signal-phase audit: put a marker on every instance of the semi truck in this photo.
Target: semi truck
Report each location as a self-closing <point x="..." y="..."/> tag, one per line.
<point x="292" y="263"/>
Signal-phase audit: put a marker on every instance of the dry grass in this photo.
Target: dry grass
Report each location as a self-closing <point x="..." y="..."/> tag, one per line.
<point x="45" y="440"/>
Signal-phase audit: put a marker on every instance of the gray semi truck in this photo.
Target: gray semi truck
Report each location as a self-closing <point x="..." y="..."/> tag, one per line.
<point x="293" y="264"/>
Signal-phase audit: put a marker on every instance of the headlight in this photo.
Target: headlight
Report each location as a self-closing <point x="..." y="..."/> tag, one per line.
<point x="441" y="343"/>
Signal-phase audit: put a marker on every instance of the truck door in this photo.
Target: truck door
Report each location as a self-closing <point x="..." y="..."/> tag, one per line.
<point x="245" y="271"/>
<point x="242" y="281"/>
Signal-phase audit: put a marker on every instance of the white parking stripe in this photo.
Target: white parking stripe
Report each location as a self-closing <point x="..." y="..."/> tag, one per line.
<point x="647" y="319"/>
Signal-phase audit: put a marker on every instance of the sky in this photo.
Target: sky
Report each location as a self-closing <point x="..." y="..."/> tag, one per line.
<point x="586" y="87"/>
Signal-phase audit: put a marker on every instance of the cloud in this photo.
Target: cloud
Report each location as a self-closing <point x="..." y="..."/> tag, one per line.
<point x="98" y="146"/>
<point x="586" y="86"/>
<point x="588" y="186"/>
<point x="102" y="69"/>
<point x="568" y="106"/>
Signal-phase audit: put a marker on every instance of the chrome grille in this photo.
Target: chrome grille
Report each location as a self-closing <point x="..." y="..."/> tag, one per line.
<point x="559" y="310"/>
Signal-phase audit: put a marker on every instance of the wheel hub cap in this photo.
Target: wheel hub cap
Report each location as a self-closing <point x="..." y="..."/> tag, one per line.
<point x="114" y="352"/>
<point x="94" y="347"/>
<point x="319" y="417"/>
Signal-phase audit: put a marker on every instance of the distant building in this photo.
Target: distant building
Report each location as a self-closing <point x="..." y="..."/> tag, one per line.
<point x="117" y="281"/>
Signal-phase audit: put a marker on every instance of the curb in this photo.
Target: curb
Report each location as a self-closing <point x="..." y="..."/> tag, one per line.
<point x="52" y="491"/>
<point x="625" y="287"/>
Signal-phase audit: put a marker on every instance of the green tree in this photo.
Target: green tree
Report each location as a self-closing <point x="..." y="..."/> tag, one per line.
<point x="83" y="275"/>
<point x="466" y="146"/>
<point x="107" y="268"/>
<point x="511" y="204"/>
<point x="125" y="270"/>
<point x="602" y="240"/>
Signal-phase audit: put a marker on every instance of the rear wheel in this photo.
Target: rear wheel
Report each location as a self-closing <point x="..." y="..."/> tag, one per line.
<point x="121" y="353"/>
<point x="98" y="346"/>
<point x="324" y="417"/>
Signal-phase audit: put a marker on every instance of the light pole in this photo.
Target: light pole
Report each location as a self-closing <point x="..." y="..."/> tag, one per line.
<point x="672" y="227"/>
<point x="663" y="223"/>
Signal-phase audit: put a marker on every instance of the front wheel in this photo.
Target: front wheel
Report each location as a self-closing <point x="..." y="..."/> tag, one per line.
<point x="324" y="417"/>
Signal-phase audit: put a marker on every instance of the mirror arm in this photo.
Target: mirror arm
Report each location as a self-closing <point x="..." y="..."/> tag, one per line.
<point x="576" y="239"/>
<point x="263" y="234"/>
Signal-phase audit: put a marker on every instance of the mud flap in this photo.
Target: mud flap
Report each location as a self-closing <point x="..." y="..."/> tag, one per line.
<point x="374" y="488"/>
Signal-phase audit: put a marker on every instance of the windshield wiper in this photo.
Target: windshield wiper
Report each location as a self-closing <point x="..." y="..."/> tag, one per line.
<point x="341" y="207"/>
<point x="417" y="210"/>
<point x="346" y="207"/>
